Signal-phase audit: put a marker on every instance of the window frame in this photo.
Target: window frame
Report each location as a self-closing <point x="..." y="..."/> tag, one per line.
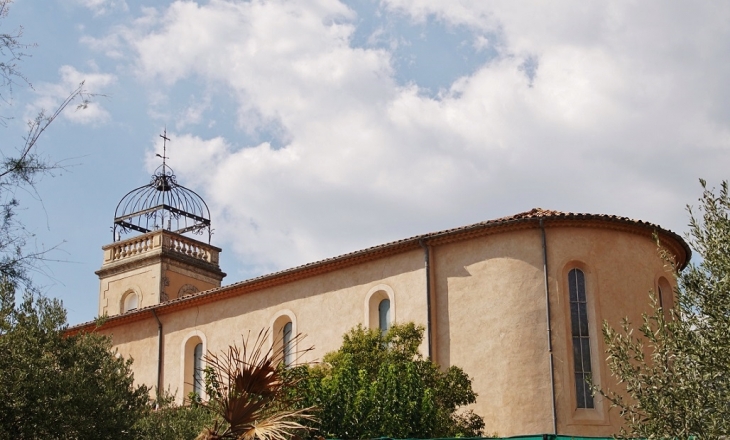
<point x="287" y="342"/>
<point x="580" y="324"/>
<point x="384" y="322"/>
<point x="598" y="415"/>
<point x="276" y="335"/>
<point x="125" y="297"/>
<point x="198" y="380"/>
<point x="665" y="296"/>
<point x="373" y="298"/>
<point x="187" y="363"/>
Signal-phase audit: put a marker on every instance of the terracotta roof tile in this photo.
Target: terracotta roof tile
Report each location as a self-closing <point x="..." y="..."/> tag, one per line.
<point x="406" y="243"/>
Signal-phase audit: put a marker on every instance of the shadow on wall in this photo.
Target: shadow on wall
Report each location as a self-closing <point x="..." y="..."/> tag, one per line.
<point x="466" y="270"/>
<point x="340" y="279"/>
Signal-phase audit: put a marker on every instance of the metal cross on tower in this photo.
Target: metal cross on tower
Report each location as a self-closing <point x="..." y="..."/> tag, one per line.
<point x="164" y="150"/>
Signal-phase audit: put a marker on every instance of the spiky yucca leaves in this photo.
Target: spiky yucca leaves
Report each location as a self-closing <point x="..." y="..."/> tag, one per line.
<point x="247" y="389"/>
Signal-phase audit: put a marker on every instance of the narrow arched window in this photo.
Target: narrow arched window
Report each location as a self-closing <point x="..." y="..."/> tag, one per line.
<point x="661" y="296"/>
<point x="198" y="369"/>
<point x="581" y="338"/>
<point x="287" y="343"/>
<point x="666" y="300"/>
<point x="384" y="315"/>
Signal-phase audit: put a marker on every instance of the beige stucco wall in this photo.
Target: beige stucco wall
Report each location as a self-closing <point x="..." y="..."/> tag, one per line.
<point x="488" y="314"/>
<point x="144" y="281"/>
<point x="490" y="309"/>
<point x="138" y="342"/>
<point x="491" y="319"/>
<point x="176" y="277"/>
<point x="324" y="307"/>
<point x="621" y="268"/>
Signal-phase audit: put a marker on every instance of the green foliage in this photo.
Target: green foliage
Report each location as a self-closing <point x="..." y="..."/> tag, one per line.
<point x="677" y="372"/>
<point x="60" y="387"/>
<point x="379" y="385"/>
<point x="164" y="420"/>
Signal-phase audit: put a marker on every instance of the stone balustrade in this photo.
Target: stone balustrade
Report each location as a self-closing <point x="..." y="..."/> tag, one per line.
<point x="157" y="241"/>
<point x="131" y="248"/>
<point x="191" y="248"/>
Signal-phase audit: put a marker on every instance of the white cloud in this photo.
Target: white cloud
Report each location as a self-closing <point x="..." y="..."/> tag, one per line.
<point x="101" y="7"/>
<point x="110" y="45"/>
<point x="480" y="43"/>
<point x="50" y="96"/>
<point x="194" y="113"/>
<point x="626" y="108"/>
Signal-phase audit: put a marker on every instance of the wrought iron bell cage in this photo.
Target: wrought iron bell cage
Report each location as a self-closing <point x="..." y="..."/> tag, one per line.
<point x="162" y="204"/>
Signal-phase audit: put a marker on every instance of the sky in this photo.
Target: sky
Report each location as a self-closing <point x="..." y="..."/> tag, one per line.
<point x="313" y="128"/>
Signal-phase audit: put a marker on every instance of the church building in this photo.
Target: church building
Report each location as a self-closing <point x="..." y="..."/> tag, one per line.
<point x="517" y="302"/>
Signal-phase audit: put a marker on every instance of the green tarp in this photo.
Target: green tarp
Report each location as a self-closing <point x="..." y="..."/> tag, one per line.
<point x="518" y="437"/>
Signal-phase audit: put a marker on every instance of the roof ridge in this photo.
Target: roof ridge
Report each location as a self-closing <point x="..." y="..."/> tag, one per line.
<point x="532" y="214"/>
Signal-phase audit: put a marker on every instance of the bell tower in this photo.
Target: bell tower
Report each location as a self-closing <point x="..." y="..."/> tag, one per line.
<point x="160" y="261"/>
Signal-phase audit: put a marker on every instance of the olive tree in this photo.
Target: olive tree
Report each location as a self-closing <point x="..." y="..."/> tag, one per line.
<point x="674" y="374"/>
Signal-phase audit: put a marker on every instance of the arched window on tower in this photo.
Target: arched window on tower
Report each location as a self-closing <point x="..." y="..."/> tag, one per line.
<point x="131" y="302"/>
<point x="581" y="338"/>
<point x="198" y="369"/>
<point x="384" y="315"/>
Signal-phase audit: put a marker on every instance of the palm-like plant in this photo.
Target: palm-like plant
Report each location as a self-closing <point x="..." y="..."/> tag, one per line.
<point x="247" y="390"/>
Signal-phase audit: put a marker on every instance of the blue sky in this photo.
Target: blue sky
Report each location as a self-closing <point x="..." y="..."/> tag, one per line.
<point x="318" y="127"/>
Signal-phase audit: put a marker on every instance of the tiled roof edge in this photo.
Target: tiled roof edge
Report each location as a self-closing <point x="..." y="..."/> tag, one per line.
<point x="392" y="248"/>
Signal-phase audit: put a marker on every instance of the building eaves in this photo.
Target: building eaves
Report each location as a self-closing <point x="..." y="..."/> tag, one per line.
<point x="525" y="219"/>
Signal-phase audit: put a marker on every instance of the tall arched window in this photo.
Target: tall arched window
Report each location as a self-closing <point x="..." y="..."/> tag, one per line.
<point x="198" y="369"/>
<point x="283" y="337"/>
<point x="581" y="338"/>
<point x="384" y="315"/>
<point x="193" y="351"/>
<point x="286" y="341"/>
